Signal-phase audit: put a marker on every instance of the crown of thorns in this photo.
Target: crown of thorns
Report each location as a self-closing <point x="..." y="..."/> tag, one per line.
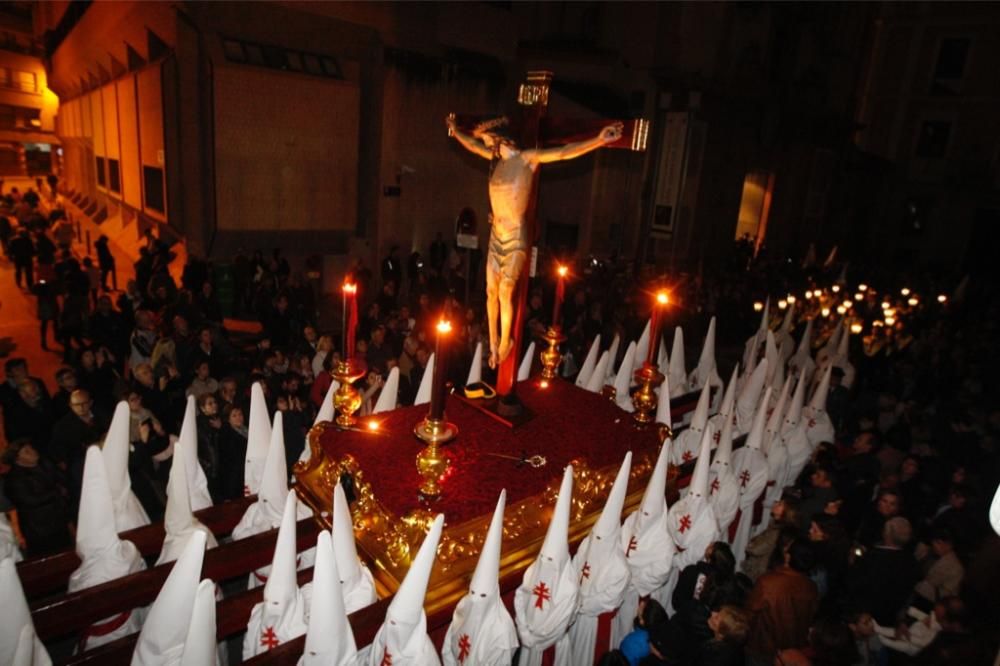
<point x="490" y="125"/>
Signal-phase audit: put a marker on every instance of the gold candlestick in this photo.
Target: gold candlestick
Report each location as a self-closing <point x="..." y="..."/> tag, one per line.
<point x="431" y="462"/>
<point x="347" y="399"/>
<point x="551" y="358"/>
<point x="645" y="400"/>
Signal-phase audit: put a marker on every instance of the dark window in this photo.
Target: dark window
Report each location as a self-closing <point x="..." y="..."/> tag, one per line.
<point x="951" y="58"/>
<point x="101" y="178"/>
<point x="233" y="50"/>
<point x="114" y="176"/>
<point x="152" y="179"/>
<point x="254" y="55"/>
<point x="933" y="140"/>
<point x="275" y="57"/>
<point x="312" y="64"/>
<point x="331" y="67"/>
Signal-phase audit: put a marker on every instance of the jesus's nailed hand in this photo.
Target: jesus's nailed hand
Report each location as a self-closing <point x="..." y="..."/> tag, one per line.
<point x="612" y="133"/>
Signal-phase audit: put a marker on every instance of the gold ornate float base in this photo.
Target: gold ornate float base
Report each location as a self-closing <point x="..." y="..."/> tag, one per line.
<point x="387" y="541"/>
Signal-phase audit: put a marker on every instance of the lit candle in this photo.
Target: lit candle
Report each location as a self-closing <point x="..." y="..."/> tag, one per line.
<point x="904" y="291"/>
<point x="347" y="331"/>
<point x="654" y="328"/>
<point x="856" y="328"/>
<point x="942" y="298"/>
<point x="437" y="381"/>
<point x="758" y="306"/>
<point x="862" y="287"/>
<point x="561" y="272"/>
<point x="835" y="288"/>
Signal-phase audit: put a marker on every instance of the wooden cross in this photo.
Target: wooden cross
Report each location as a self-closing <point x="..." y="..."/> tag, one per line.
<point x="534" y="130"/>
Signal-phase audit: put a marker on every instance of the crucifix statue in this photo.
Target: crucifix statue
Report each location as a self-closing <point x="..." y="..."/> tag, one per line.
<point x="513" y="197"/>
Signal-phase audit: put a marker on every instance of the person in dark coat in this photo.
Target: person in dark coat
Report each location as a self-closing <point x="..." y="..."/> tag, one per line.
<point x="882" y="579"/>
<point x="33" y="487"/>
<point x="21" y="251"/>
<point x="730" y="627"/>
<point x="106" y="263"/>
<point x="232" y="453"/>
<point x="71" y="436"/>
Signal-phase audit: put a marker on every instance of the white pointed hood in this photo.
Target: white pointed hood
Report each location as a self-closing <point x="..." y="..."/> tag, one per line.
<point x="356" y="580"/>
<point x="524" y="370"/>
<point x="161" y="640"/>
<point x="623" y="381"/>
<point x="613" y="356"/>
<point x="188" y="440"/>
<point x="329" y="640"/>
<point x="688" y="442"/>
<point x="699" y="480"/>
<point x="818" y="401"/>
<point x="843" y="346"/>
<point x="19" y="644"/>
<point x="610" y="520"/>
<point x="179" y="523"/>
<point x="481" y="629"/>
<point x="199" y="645"/>
<point x="755" y="439"/>
<point x="326" y="412"/>
<point x="772" y="430"/>
<point x="724" y="493"/>
<point x="390" y="391"/>
<point x="258" y="439"/>
<point x="662" y="359"/>
<point x="281" y="615"/>
<point x="103" y="556"/>
<point x="830" y="258"/>
<point x="724" y="451"/>
<point x="995" y="511"/>
<point x="596" y="382"/>
<point x="765" y="318"/>
<point x="273" y="493"/>
<point x="746" y="402"/>
<point x="476" y="367"/>
<point x="426" y="383"/>
<point x="654" y="502"/>
<point x="773" y="360"/>
<point x="546" y="600"/>
<point x="663" y="414"/>
<point x="403" y="635"/>
<point x="485" y="578"/>
<point x="676" y="365"/>
<point x="729" y="399"/>
<point x="700" y="418"/>
<point x="706" y="372"/>
<point x="794" y="413"/>
<point x="589" y="363"/>
<point x="692" y="520"/>
<point x="556" y="546"/>
<point x="643" y="346"/>
<point x="282" y="587"/>
<point x="128" y="512"/>
<point x="805" y="341"/>
<point x="788" y="323"/>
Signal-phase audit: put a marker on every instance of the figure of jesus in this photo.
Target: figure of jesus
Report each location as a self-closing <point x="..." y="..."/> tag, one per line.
<point x="512" y="174"/>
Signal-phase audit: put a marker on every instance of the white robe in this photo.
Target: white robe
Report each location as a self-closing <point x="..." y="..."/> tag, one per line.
<point x="403" y="646"/>
<point x="545" y="604"/>
<point x="687" y="445"/>
<point x="120" y="559"/>
<point x="819" y="427"/>
<point x="724" y="496"/>
<point x="481" y="632"/>
<point x="604" y="577"/>
<point x="750" y="467"/>
<point x="271" y="625"/>
<point x="649" y="551"/>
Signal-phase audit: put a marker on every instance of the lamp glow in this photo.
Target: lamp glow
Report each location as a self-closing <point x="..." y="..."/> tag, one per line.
<point x="858" y="296"/>
<point x="942" y="298"/>
<point x="758" y="306"/>
<point x="373" y="426"/>
<point x="825" y="312"/>
<point x="835" y="288"/>
<point x="841" y="309"/>
<point x="862" y="287"/>
<point x="790" y="299"/>
<point x="782" y="304"/>
<point x="809" y="294"/>
<point x="904" y="291"/>
<point x="889" y="321"/>
<point x="856" y="328"/>
<point x="886" y="305"/>
<point x="913" y="302"/>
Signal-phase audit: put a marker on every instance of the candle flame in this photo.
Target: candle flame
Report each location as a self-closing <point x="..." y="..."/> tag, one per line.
<point x="662" y="298"/>
<point x="858" y="296"/>
<point x="942" y="298"/>
<point x="373" y="425"/>
<point x="809" y="294"/>
<point x="444" y="326"/>
<point x="562" y="271"/>
<point x="350" y="288"/>
<point x="791" y="298"/>
<point x="758" y="306"/>
<point x="856" y="328"/>
<point x="913" y="301"/>
<point x="782" y="304"/>
<point x="835" y="288"/>
<point x="862" y="287"/>
<point x="890" y="321"/>
<point x="825" y="312"/>
<point x="543" y="384"/>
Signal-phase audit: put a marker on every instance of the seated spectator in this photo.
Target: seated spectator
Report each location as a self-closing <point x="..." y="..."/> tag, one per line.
<point x="202" y="383"/>
<point x="209" y="448"/>
<point x="72" y="434"/>
<point x="784" y="516"/>
<point x="232" y="453"/>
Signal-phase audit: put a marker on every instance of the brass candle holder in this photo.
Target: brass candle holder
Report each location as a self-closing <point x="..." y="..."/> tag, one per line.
<point x="431" y="462"/>
<point x="347" y="400"/>
<point x="645" y="399"/>
<point x="551" y="357"/>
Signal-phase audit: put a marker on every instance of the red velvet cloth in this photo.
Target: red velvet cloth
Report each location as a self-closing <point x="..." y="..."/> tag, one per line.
<point x="568" y="423"/>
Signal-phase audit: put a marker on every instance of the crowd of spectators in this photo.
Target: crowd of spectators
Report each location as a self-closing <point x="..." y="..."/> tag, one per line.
<point x="886" y="524"/>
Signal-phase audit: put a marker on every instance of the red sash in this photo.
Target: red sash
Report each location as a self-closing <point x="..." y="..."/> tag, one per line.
<point x="104" y="628"/>
<point x="603" y="642"/>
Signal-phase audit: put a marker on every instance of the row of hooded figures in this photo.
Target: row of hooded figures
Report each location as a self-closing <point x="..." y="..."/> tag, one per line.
<point x="575" y="607"/>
